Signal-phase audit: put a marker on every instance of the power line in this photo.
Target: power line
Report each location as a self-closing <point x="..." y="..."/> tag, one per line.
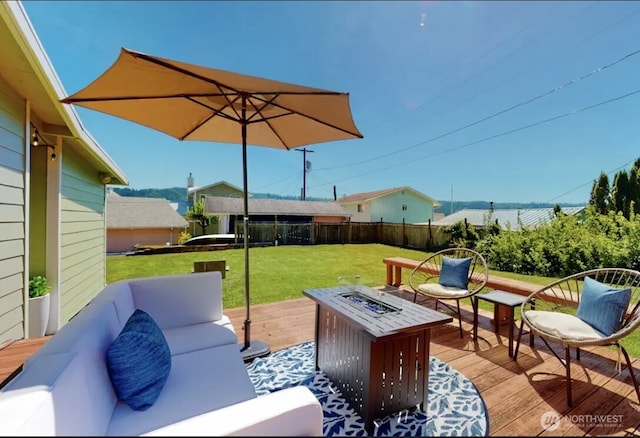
<point x="493" y="137"/>
<point x="511" y="108"/>
<point x="591" y="182"/>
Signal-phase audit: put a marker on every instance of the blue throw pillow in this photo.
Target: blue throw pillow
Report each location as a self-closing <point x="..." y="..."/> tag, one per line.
<point x="139" y="361"/>
<point x="602" y="306"/>
<point x="455" y="272"/>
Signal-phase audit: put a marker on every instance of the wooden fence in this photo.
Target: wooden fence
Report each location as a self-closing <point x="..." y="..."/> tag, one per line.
<point x="410" y="236"/>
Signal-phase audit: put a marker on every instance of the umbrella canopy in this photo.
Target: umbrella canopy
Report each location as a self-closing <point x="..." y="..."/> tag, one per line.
<point x="191" y="102"/>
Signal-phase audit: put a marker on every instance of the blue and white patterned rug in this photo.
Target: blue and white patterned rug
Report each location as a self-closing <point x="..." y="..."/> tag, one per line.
<point x="455" y="407"/>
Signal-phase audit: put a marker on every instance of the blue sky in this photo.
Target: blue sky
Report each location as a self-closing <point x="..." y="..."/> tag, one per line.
<point x="464" y="100"/>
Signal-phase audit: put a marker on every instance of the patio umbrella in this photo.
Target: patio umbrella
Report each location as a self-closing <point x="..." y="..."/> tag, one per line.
<point x="191" y="102"/>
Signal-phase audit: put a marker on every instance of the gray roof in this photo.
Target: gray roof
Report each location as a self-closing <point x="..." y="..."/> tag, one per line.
<point x="235" y="206"/>
<point x="529" y="217"/>
<point x="134" y="212"/>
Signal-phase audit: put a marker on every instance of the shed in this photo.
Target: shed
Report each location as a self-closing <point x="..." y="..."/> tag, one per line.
<point x="133" y="221"/>
<point x="273" y="210"/>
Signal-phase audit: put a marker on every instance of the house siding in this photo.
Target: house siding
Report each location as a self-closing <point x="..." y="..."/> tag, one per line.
<point x="389" y="208"/>
<point x="218" y="190"/>
<point x="363" y="216"/>
<point x="82" y="238"/>
<point x="12" y="216"/>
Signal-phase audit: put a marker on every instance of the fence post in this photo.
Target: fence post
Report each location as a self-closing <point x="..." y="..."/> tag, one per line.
<point x="405" y="240"/>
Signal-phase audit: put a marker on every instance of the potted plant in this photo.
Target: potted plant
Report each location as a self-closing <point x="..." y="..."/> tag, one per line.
<point x="39" y="303"/>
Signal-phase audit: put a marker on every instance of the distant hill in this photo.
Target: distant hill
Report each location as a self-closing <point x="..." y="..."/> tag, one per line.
<point x="174" y="194"/>
<point x="178" y="194"/>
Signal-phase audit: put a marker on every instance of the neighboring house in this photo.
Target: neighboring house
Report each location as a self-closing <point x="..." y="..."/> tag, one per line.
<point x="512" y="219"/>
<point x="52" y="197"/>
<point x="397" y="205"/>
<point x="221" y="188"/>
<point x="229" y="210"/>
<point x="135" y="221"/>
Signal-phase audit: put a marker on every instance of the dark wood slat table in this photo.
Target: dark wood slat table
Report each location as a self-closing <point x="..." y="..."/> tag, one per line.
<point x="499" y="299"/>
<point x="378" y="361"/>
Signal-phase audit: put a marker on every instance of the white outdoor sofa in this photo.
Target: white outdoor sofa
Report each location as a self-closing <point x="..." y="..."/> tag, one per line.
<point x="65" y="387"/>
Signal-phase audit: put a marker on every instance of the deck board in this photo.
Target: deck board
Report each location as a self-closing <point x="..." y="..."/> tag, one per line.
<point x="517" y="394"/>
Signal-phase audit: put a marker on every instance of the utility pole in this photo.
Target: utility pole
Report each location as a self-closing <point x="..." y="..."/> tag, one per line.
<point x="305" y="166"/>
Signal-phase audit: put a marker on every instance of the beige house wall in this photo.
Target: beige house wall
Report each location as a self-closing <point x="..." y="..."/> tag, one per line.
<point x="52" y="217"/>
<point x="125" y="240"/>
<point x="12" y="213"/>
<point x="82" y="237"/>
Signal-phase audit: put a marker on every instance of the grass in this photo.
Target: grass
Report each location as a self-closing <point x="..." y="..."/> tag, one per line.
<point x="281" y="272"/>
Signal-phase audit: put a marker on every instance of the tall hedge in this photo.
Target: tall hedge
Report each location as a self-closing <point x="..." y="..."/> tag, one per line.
<point x="566" y="245"/>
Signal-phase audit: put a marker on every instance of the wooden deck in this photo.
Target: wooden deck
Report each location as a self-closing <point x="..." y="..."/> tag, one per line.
<point x="518" y="395"/>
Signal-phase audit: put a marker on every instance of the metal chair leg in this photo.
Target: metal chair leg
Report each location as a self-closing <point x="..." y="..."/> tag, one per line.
<point x="459" y="319"/>
<point x="633" y="375"/>
<point x="515" y="352"/>
<point x="568" y="367"/>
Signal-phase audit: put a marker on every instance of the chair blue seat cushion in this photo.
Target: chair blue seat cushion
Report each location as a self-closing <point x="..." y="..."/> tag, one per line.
<point x="603" y="307"/>
<point x="139" y="361"/>
<point x="455" y="272"/>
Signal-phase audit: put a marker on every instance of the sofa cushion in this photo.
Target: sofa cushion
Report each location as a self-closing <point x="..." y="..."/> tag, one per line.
<point x="58" y="394"/>
<point x="179" y="300"/>
<point x="119" y="293"/>
<point x="438" y="290"/>
<point x="139" y="361"/>
<point x="200" y="336"/>
<point x="455" y="272"/>
<point x="563" y="325"/>
<point x="603" y="306"/>
<point x="199" y="382"/>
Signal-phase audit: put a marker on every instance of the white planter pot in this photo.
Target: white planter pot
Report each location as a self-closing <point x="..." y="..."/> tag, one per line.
<point x="39" y="315"/>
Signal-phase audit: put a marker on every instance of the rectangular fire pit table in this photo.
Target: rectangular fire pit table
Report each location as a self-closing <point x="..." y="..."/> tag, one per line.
<point x="374" y="348"/>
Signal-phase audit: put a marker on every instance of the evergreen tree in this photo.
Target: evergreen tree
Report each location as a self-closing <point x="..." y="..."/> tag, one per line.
<point x="634" y="187"/>
<point x="600" y="194"/>
<point x="620" y="193"/>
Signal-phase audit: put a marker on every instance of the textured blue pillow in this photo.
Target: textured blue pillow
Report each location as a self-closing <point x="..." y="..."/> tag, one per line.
<point x="455" y="272"/>
<point x="603" y="307"/>
<point x="139" y="361"/>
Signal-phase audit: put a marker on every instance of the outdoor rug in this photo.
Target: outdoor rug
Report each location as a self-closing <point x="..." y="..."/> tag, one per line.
<point x="455" y="407"/>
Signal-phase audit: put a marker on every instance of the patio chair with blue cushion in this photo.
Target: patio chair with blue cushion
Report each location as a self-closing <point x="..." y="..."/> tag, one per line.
<point x="598" y="307"/>
<point x="450" y="274"/>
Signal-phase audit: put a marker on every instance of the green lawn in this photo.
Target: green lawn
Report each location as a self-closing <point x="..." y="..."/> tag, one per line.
<point x="281" y="272"/>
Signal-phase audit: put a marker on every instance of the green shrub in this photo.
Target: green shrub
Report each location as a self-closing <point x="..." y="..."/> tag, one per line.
<point x="183" y="237"/>
<point x="463" y="235"/>
<point x="566" y="245"/>
<point x="38" y="286"/>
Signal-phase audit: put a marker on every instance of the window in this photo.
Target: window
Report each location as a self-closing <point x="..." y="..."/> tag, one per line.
<point x="404" y="207"/>
<point x="360" y="208"/>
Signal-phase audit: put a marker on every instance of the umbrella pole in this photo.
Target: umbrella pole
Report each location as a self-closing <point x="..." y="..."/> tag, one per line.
<point x="250" y="350"/>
